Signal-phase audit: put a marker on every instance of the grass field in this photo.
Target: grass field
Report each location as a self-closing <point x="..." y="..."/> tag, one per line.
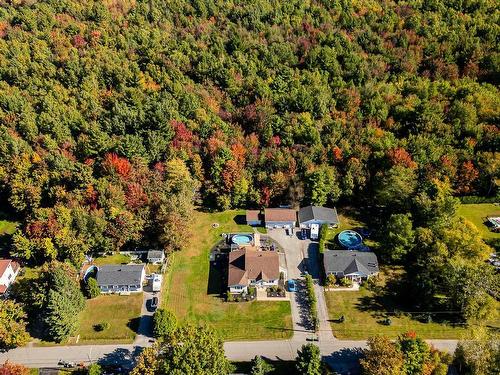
<point x="477" y="213"/>
<point x="112" y="259"/>
<point x="188" y="294"/>
<point x="364" y="311"/>
<point x="121" y="312"/>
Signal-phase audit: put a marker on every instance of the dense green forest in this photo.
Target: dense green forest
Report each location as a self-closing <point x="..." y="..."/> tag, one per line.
<point x="116" y="114"/>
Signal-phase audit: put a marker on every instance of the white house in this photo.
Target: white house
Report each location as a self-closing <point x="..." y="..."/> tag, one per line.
<point x="8" y="272"/>
<point x="156" y="256"/>
<point x="318" y="215"/>
<point x="121" y="278"/>
<point x="250" y="267"/>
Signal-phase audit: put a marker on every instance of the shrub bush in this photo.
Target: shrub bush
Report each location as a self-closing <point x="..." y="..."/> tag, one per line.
<point x="345" y="282"/>
<point x="330" y="280"/>
<point x="92" y="288"/>
<point x="313" y="311"/>
<point x="99" y="327"/>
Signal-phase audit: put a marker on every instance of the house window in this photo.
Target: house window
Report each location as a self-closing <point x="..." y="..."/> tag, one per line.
<point x="272" y="281"/>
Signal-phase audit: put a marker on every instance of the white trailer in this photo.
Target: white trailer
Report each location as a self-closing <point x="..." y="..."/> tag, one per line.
<point x="156" y="282"/>
<point x="314" y="231"/>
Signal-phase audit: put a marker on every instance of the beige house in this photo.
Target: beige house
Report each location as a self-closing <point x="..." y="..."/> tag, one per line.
<point x="251" y="267"/>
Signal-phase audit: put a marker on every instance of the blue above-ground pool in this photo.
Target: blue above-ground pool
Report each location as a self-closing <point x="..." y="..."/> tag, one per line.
<point x="242" y="239"/>
<point x="350" y="239"/>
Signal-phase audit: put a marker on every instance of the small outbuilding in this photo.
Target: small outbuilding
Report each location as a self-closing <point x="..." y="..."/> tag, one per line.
<point x="355" y="265"/>
<point x="318" y="215"/>
<point x="156" y="256"/>
<point x="253" y="218"/>
<point x="280" y="218"/>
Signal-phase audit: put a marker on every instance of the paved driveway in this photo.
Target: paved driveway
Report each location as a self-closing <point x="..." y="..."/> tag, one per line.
<point x="302" y="255"/>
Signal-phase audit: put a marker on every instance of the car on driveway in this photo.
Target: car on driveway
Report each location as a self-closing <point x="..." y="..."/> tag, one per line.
<point x="153" y="303"/>
<point x="292" y="286"/>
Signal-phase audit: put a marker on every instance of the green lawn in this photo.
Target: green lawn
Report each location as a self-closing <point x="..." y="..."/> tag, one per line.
<point x="365" y="310"/>
<point x="477" y="213"/>
<point x="187" y="293"/>
<point x="121" y="312"/>
<point x="112" y="259"/>
<point x="347" y="221"/>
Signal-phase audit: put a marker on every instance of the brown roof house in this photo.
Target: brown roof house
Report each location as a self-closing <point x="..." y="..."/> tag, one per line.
<point x="280" y="217"/>
<point x="251" y="267"/>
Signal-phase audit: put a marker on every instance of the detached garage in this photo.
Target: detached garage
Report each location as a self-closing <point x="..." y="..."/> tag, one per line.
<point x="318" y="215"/>
<point x="280" y="218"/>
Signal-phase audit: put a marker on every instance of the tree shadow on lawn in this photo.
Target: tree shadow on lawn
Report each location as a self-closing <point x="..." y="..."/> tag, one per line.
<point x="392" y="300"/>
<point x="384" y="301"/>
<point x="134" y="324"/>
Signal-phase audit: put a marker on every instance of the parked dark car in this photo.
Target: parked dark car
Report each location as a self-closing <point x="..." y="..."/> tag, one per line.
<point x="154" y="303"/>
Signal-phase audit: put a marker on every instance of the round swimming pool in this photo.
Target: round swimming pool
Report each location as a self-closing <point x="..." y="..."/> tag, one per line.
<point x="350" y="239"/>
<point x="242" y="239"/>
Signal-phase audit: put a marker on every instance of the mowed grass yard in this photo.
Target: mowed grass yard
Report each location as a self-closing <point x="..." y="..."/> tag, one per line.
<point x="348" y="220"/>
<point x="187" y="294"/>
<point x="477" y="213"/>
<point x="365" y="310"/>
<point x="121" y="312"/>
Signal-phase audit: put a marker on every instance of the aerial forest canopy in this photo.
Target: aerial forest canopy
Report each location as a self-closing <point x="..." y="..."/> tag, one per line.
<point x="116" y="115"/>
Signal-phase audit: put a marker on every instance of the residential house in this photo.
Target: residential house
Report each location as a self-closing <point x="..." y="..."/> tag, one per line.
<point x="251" y="267"/>
<point x="318" y="215"/>
<point x="280" y="218"/>
<point x="253" y="218"/>
<point x="355" y="265"/>
<point x="119" y="278"/>
<point x="8" y="272"/>
<point x="156" y="256"/>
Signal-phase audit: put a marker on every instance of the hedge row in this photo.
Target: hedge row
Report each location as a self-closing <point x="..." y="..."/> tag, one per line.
<point x="313" y="303"/>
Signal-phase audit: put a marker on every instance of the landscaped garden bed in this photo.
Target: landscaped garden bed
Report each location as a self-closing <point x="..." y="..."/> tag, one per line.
<point x="276" y="291"/>
<point x="242" y="297"/>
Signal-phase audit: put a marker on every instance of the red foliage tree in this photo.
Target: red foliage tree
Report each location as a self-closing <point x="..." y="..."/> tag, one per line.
<point x="466" y="176"/>
<point x="337" y="153"/>
<point x="135" y="196"/>
<point x="117" y="164"/>
<point x="183" y="137"/>
<point x="9" y="368"/>
<point x="399" y="156"/>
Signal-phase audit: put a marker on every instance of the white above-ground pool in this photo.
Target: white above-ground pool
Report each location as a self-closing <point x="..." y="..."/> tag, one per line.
<point x="242" y="239"/>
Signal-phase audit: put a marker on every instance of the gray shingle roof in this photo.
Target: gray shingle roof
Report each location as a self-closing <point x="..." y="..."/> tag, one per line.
<point x="347" y="262"/>
<point x="155" y="254"/>
<point x="318" y="213"/>
<point x="120" y="274"/>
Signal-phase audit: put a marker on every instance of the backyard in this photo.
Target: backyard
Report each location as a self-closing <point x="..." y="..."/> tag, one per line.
<point x="190" y="295"/>
<point x="349" y="219"/>
<point x="365" y="310"/>
<point x="121" y="312"/>
<point x="477" y="213"/>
